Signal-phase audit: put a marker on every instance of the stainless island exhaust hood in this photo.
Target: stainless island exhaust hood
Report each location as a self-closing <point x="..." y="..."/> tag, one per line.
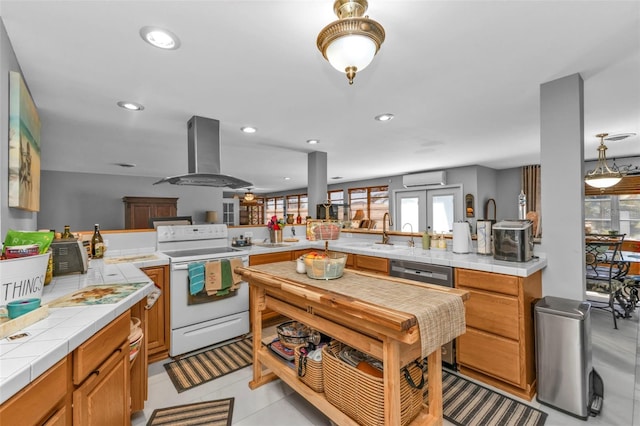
<point x="204" y="157"/>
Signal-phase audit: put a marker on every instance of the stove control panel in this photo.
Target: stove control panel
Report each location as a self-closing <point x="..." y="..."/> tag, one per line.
<point x="172" y="233"/>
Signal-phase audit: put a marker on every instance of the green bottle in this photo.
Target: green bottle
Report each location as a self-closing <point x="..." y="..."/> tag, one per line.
<point x="426" y="239"/>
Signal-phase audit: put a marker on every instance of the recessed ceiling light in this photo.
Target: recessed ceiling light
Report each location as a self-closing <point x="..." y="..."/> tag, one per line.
<point x="287" y="178"/>
<point x="313" y="141"/>
<point x="249" y="129"/>
<point x="131" y="106"/>
<point x="160" y="38"/>
<point x="384" y="117"/>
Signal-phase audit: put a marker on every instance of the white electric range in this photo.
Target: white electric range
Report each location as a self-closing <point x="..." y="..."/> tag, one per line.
<point x="198" y="321"/>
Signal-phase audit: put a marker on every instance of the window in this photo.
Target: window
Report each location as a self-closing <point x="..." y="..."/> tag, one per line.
<point x="604" y="213"/>
<point x="374" y="201"/>
<point x="433" y="208"/>
<point x="274" y="207"/>
<point x="298" y="205"/>
<point x="614" y="209"/>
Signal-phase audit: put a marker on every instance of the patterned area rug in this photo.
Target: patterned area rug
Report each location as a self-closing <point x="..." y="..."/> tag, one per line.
<point x="197" y="369"/>
<point x="211" y="413"/>
<point x="466" y="403"/>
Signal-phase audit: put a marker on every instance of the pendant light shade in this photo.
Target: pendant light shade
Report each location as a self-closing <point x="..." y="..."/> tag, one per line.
<point x="351" y="42"/>
<point x="603" y="176"/>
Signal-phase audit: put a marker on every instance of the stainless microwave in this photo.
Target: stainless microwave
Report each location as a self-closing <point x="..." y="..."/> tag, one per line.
<point x="513" y="240"/>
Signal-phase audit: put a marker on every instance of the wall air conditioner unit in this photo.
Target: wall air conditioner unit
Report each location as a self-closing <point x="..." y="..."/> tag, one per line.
<point x="424" y="179"/>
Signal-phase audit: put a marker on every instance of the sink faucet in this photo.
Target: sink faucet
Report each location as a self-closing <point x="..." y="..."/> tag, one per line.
<point x="411" y="242"/>
<point x="385" y="236"/>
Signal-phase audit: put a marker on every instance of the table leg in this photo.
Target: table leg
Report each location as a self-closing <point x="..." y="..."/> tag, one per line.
<point x="434" y="377"/>
<point x="257" y="305"/>
<point x="391" y="360"/>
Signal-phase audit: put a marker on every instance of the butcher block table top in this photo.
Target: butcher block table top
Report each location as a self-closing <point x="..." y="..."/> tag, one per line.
<point x="393" y="319"/>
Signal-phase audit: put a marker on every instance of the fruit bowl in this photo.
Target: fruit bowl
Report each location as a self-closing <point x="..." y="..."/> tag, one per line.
<point x="322" y="266"/>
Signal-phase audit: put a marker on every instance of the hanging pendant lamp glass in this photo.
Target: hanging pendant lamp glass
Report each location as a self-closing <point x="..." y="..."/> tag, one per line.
<point x="351" y="42"/>
<point x="603" y="176"/>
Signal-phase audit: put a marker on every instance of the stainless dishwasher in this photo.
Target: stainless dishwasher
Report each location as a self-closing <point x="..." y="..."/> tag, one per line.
<point x="430" y="274"/>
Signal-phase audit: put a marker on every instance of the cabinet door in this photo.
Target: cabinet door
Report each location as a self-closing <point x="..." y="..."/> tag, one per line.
<point x="491" y="354"/>
<point x="159" y="329"/>
<point x="39" y="400"/>
<point x="59" y="418"/>
<point x="493" y="312"/>
<point x="371" y="263"/>
<point x="103" y="398"/>
<point x="261" y="259"/>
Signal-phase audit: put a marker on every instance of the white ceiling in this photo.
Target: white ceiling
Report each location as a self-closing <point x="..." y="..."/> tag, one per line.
<point x="461" y="77"/>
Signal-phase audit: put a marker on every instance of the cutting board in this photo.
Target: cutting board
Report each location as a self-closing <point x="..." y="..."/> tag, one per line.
<point x="97" y="295"/>
<point x="10" y="326"/>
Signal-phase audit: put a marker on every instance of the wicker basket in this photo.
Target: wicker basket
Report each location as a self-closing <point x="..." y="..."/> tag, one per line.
<point x="361" y="395"/>
<point x="310" y="372"/>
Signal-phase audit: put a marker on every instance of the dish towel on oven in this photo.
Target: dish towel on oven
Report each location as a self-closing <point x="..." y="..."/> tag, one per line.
<point x="196" y="278"/>
<point x="220" y="278"/>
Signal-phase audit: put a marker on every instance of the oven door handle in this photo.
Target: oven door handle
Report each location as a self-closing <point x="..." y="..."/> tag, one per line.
<point x="180" y="267"/>
<point x="185" y="266"/>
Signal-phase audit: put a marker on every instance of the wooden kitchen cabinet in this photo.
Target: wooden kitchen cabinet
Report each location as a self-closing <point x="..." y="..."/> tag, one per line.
<point x="371" y="263"/>
<point x="101" y="376"/>
<point x="498" y="347"/>
<point x="261" y="259"/>
<point x="45" y="401"/>
<point x="269" y="316"/>
<point x="159" y="330"/>
<point x="138" y="210"/>
<point x="103" y="398"/>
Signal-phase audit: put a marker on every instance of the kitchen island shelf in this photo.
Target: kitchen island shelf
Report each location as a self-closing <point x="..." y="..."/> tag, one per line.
<point x="384" y="333"/>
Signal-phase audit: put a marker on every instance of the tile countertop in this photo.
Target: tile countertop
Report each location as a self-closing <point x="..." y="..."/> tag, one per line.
<point x="402" y="251"/>
<point x="52" y="338"/>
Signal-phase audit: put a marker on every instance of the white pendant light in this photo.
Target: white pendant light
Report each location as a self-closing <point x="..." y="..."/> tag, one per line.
<point x="351" y="42"/>
<point x="603" y="176"/>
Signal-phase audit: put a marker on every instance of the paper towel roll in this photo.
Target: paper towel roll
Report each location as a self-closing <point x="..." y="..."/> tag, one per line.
<point x="484" y="236"/>
<point x="461" y="237"/>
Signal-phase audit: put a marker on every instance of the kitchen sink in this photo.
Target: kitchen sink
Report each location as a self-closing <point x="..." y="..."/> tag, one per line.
<point x="272" y="244"/>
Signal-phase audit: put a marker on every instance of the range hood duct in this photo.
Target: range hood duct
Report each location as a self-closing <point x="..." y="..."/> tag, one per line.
<point x="203" y="137"/>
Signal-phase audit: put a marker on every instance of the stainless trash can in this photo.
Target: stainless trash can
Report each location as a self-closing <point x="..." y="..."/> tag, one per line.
<point x="563" y="354"/>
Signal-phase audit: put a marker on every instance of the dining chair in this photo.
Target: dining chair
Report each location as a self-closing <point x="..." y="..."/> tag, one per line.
<point x="605" y="271"/>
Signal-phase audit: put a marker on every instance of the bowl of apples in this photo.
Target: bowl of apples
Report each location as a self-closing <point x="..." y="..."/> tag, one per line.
<point x="325" y="266"/>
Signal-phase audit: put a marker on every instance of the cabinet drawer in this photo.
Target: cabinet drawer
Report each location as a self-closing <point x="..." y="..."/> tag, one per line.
<point x="37" y="401"/>
<point x="507" y="284"/>
<point x="490" y="354"/>
<point x="495" y="313"/>
<point x="261" y="259"/>
<point x="371" y="263"/>
<point x="88" y="356"/>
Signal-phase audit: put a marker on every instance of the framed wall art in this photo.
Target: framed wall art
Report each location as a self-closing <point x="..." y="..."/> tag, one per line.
<point x="24" y="147"/>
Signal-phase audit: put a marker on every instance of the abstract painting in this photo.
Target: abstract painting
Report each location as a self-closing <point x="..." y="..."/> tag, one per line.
<point x="24" y="147"/>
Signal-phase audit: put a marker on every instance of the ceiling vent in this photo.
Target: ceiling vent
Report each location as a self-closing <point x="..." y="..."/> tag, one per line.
<point x="424" y="179"/>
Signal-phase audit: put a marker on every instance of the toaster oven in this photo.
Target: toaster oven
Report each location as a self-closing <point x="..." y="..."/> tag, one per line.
<point x="513" y="240"/>
<point x="69" y="256"/>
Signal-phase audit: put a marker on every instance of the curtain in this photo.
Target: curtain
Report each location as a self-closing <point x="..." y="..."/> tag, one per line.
<point x="530" y="180"/>
<point x="531" y="186"/>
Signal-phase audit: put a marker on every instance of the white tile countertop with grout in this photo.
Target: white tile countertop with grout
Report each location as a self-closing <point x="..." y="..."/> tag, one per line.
<point x="49" y="340"/>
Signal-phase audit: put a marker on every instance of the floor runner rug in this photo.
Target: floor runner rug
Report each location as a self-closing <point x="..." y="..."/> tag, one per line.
<point x="466" y="403"/>
<point x="203" y="367"/>
<point x="211" y="413"/>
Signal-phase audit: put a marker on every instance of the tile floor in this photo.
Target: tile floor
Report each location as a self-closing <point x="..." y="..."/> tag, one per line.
<point x="615" y="357"/>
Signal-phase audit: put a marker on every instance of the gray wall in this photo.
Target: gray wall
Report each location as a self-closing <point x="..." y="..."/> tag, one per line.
<point x="10" y="218"/>
<point x="81" y="200"/>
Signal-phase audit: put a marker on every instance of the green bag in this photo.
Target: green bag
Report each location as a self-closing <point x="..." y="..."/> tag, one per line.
<point x="42" y="239"/>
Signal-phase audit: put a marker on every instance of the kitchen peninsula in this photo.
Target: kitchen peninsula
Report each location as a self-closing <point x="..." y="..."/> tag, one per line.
<point x="78" y="354"/>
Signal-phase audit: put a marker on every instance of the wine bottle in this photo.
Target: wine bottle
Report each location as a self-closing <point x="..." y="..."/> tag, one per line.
<point x="97" y="243"/>
<point x="67" y="233"/>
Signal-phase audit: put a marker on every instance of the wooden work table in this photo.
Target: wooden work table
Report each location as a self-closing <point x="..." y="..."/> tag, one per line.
<point x="388" y="334"/>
